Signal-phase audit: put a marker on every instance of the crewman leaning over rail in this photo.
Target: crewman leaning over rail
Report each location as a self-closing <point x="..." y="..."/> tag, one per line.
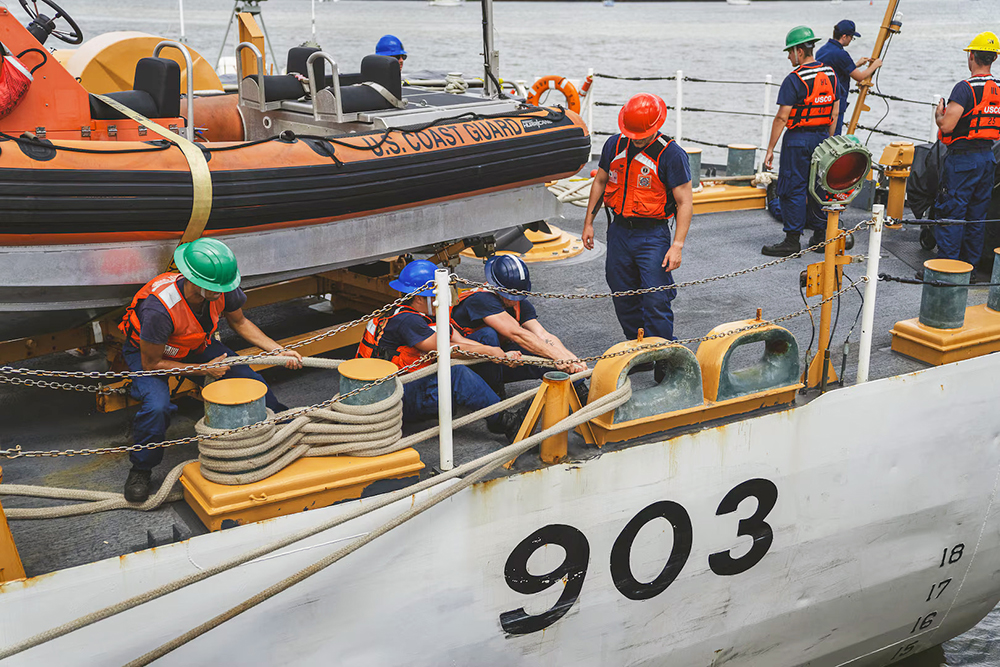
<point x="170" y="324"/>
<point x="807" y="107"/>
<point x="509" y="320"/>
<point x="968" y="126"/>
<point x="645" y="180"/>
<point x="834" y="54"/>
<point x="408" y="333"/>
<point x="389" y="45"/>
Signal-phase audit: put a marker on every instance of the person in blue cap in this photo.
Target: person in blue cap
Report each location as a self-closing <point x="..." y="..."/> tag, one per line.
<point x="389" y="45"/>
<point x="508" y="320"/>
<point x="408" y="332"/>
<point x="833" y="54"/>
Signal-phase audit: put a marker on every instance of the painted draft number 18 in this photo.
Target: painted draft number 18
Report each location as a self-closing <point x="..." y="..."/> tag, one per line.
<point x="573" y="569"/>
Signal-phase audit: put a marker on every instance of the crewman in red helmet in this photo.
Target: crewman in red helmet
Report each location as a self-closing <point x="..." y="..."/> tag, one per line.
<point x="644" y="180"/>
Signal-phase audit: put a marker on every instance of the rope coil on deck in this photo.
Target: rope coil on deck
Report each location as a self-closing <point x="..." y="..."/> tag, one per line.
<point x="258" y="453"/>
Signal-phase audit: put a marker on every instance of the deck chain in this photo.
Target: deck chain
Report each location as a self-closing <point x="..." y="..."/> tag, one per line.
<point x="187" y="370"/>
<point x="662" y="288"/>
<point x="194" y="368"/>
<point x="16" y="452"/>
<point x="550" y="363"/>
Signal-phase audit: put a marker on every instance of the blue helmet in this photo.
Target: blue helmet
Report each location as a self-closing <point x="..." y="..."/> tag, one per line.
<point x="389" y="45"/>
<point x="413" y="276"/>
<point x="508" y="271"/>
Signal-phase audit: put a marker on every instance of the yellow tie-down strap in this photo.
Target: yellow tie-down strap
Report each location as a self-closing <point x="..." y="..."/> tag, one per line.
<point x="201" y="177"/>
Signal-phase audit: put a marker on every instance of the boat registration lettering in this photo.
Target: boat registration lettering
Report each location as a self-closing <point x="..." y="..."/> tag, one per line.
<point x="443" y="136"/>
<point x="573" y="570"/>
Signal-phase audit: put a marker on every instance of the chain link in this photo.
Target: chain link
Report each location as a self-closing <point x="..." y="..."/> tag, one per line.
<point x="68" y="386"/>
<point x="17" y="452"/>
<point x="549" y="363"/>
<point x="282" y="417"/>
<point x="649" y="290"/>
<point x="186" y="370"/>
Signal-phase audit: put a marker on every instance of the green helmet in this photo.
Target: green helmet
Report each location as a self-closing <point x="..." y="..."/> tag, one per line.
<point x="799" y="35"/>
<point x="209" y="264"/>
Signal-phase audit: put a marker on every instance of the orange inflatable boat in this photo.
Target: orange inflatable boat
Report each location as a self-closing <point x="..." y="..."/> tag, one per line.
<point x="299" y="173"/>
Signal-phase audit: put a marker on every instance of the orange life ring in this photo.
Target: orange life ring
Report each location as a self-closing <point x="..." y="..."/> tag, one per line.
<point x="553" y="82"/>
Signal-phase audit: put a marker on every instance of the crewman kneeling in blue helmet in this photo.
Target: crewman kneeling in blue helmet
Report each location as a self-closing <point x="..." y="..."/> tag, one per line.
<point x="508" y="320"/>
<point x="390" y="45"/>
<point x="407" y="333"/>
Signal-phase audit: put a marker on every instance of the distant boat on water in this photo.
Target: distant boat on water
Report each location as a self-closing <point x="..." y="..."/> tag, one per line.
<point x="738" y="2"/>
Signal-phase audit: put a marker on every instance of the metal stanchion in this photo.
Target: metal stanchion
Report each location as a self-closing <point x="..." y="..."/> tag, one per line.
<point x="679" y="103"/>
<point x="868" y="312"/>
<point x="765" y="122"/>
<point x="442" y="312"/>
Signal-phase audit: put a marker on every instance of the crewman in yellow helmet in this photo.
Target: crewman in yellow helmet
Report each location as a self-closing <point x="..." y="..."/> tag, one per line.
<point x="969" y="125"/>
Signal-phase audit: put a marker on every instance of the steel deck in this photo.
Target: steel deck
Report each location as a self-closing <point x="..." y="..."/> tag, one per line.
<point x="718" y="243"/>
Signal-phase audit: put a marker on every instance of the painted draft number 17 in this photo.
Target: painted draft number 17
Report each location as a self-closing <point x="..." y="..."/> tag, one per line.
<point x="573" y="569"/>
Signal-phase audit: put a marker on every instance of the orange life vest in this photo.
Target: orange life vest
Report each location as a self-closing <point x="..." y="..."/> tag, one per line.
<point x="634" y="188"/>
<point x="468" y="331"/>
<point x="371" y="345"/>
<point x="188" y="335"/>
<point x="816" y="110"/>
<point x="983" y="120"/>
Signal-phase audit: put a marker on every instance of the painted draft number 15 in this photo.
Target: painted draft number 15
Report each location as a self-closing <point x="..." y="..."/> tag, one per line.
<point x="573" y="569"/>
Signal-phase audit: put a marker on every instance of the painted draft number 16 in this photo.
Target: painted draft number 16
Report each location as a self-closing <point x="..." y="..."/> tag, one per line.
<point x="573" y="569"/>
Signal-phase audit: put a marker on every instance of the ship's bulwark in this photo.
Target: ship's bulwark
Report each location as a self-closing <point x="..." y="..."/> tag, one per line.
<point x="853" y="529"/>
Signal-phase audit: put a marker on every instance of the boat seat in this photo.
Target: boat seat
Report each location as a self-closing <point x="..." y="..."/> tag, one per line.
<point x="381" y="70"/>
<point x="156" y="92"/>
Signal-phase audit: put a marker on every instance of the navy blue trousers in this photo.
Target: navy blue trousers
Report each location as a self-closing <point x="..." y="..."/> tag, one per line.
<point x="798" y="210"/>
<point x="635" y="260"/>
<point x="151" y="421"/>
<point x="468" y="390"/>
<point x="964" y="194"/>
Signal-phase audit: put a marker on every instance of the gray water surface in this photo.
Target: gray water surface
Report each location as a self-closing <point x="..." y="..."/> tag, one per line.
<point x="705" y="40"/>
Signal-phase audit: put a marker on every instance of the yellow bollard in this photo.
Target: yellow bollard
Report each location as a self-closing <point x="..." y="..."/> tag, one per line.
<point x="10" y="561"/>
<point x="557" y="388"/>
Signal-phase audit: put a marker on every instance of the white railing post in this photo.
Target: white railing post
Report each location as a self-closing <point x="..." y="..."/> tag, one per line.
<point x="180" y="7"/>
<point x="590" y="101"/>
<point x="680" y="103"/>
<point x="868" y="312"/>
<point x="934" y="127"/>
<point x="765" y="122"/>
<point x="442" y="312"/>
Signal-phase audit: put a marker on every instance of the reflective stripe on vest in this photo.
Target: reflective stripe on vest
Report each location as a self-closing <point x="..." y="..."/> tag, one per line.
<point x="983" y="120"/>
<point x="816" y="110"/>
<point x="634" y="189"/>
<point x="371" y="346"/>
<point x="188" y="335"/>
<point x="468" y="331"/>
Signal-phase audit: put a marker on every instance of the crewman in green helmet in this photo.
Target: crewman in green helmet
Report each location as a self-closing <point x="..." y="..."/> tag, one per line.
<point x="171" y="323"/>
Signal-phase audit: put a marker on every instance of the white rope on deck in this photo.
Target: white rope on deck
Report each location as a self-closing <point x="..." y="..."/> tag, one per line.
<point x="476" y="470"/>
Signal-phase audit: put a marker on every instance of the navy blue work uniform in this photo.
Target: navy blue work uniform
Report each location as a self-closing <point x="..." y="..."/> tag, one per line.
<point x="420" y="397"/>
<point x="799" y="211"/>
<point x="637" y="246"/>
<point x="834" y="55"/>
<point x="153" y="418"/>
<point x="965" y="189"/>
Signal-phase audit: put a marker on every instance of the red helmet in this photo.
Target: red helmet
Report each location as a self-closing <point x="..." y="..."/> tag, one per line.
<point x="642" y="116"/>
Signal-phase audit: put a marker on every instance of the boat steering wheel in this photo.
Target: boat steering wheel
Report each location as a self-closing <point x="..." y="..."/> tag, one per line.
<point x="45" y="26"/>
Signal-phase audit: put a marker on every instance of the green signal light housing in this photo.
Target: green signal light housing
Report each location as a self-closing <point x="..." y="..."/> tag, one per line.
<point x="838" y="170"/>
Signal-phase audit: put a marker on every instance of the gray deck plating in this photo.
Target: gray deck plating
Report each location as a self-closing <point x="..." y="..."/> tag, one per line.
<point x="718" y="243"/>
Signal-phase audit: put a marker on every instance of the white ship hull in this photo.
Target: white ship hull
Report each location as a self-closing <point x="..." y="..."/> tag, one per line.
<point x="874" y="534"/>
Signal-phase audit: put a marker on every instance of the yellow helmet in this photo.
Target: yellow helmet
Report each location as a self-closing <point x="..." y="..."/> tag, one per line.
<point x="985" y="41"/>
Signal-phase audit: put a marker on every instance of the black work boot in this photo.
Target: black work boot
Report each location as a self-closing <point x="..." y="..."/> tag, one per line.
<point x="508" y="422"/>
<point x="660" y="371"/>
<point x="819" y="235"/>
<point x="137" y="485"/>
<point x="582" y="392"/>
<point x="787" y="247"/>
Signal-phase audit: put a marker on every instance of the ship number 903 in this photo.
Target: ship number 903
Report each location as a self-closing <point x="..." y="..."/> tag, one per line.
<point x="573" y="569"/>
